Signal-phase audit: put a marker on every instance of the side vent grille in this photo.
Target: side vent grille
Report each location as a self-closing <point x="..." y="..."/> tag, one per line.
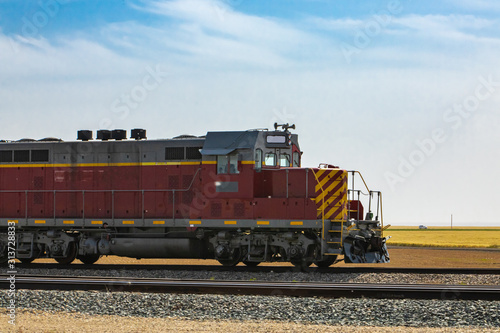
<point x="216" y="210"/>
<point x="239" y="209"/>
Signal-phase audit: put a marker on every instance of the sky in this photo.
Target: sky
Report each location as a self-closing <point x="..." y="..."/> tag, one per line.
<point x="406" y="92"/>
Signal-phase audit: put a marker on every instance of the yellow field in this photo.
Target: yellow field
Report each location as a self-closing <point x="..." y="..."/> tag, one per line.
<point x="472" y="237"/>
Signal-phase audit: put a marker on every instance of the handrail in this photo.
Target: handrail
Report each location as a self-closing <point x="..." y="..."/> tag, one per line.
<point x="322" y="212"/>
<point x="381" y="215"/>
<point x="54" y="192"/>
<point x="370" y="193"/>
<point x="359" y="191"/>
<point x="360" y="175"/>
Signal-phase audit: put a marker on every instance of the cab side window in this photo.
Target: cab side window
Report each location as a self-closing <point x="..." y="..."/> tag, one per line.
<point x="233" y="164"/>
<point x="222" y="164"/>
<point x="296" y="159"/>
<point x="258" y="159"/>
<point x="227" y="164"/>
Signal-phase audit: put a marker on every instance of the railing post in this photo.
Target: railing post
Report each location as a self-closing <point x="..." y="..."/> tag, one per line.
<point x="358" y="204"/>
<point x="307" y="183"/>
<point x="113" y="206"/>
<point x="353" y="173"/>
<point x="54" y="206"/>
<point x="348" y="205"/>
<point x="378" y="204"/>
<point x="370" y="193"/>
<point x="287" y="183"/>
<point x="173" y="206"/>
<point x="26" y="206"/>
<point x="83" y="206"/>
<point x="381" y="213"/>
<point x="143" y="207"/>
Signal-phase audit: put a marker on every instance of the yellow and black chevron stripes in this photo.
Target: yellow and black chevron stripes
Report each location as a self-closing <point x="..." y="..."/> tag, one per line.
<point x="331" y="194"/>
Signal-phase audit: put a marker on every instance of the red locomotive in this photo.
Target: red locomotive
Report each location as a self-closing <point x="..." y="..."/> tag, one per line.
<point x="231" y="196"/>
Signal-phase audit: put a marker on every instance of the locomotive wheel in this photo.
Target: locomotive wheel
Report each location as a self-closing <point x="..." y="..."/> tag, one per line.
<point x="251" y="263"/>
<point x="26" y="260"/>
<point x="231" y="262"/>
<point x="327" y="262"/>
<point x="302" y="264"/>
<point x="72" y="251"/>
<point x="36" y="253"/>
<point x="228" y="262"/>
<point x="89" y="259"/>
<point x="3" y="257"/>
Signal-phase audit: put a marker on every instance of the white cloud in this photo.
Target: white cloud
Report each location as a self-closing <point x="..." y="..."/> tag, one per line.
<point x="188" y="43"/>
<point x="67" y="57"/>
<point x="457" y="27"/>
<point x="336" y="24"/>
<point x="476" y="5"/>
<point x="213" y="29"/>
<point x="218" y="18"/>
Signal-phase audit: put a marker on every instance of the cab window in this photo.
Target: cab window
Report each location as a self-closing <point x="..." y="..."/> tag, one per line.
<point x="233" y="164"/>
<point x="270" y="159"/>
<point x="222" y="164"/>
<point x="284" y="160"/>
<point x="227" y="164"/>
<point x="296" y="159"/>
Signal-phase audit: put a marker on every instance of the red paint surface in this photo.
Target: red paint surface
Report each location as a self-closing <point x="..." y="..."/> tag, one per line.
<point x="261" y="195"/>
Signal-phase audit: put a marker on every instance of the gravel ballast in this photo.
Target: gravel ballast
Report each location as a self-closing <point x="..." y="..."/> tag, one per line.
<point x="305" y="310"/>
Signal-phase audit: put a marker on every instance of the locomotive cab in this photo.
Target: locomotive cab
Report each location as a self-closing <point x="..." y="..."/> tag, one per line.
<point x="311" y="205"/>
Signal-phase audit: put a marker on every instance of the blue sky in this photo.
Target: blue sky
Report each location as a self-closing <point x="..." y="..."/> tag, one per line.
<point x="407" y="92"/>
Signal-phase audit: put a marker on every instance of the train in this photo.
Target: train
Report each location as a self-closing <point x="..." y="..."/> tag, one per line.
<point x="232" y="196"/>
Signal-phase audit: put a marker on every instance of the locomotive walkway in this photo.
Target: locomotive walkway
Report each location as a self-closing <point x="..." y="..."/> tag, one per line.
<point x="328" y="290"/>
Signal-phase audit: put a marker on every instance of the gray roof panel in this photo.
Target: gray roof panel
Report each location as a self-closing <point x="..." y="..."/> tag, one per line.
<point x="223" y="143"/>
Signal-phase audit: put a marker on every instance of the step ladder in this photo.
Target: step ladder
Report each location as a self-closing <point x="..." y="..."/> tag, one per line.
<point x="332" y="236"/>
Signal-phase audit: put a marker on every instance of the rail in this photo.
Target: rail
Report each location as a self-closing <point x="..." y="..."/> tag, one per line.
<point x="202" y="266"/>
<point x="113" y="197"/>
<point x="309" y="289"/>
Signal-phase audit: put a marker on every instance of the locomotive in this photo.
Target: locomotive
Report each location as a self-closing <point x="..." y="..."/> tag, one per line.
<point x="239" y="196"/>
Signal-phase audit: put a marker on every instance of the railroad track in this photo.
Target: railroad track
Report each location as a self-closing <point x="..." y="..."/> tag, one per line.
<point x="330" y="290"/>
<point x="275" y="269"/>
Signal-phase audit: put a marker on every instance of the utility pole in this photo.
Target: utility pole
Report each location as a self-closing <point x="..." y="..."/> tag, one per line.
<point x="451" y="221"/>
